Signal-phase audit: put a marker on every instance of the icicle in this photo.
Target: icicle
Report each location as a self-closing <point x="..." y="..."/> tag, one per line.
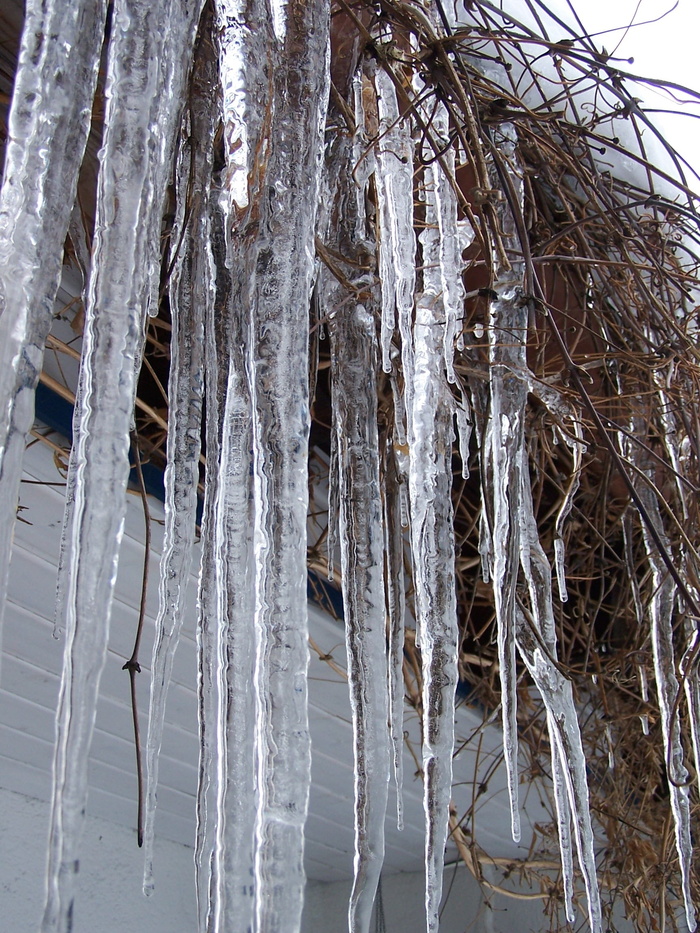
<point x="211" y="582"/>
<point x="485" y="549"/>
<point x="362" y="556"/>
<point x="333" y="507"/>
<point x="232" y="885"/>
<point x="662" y="611"/>
<point x="430" y="417"/>
<point x="538" y="648"/>
<point x="396" y="611"/>
<point x="208" y="642"/>
<point x="692" y="690"/>
<point x="279" y="270"/>
<point x="514" y="541"/>
<point x="557" y="694"/>
<point x="72" y="479"/>
<point x="47" y="132"/>
<point x="504" y="440"/>
<point x="561" y="801"/>
<point x="190" y="293"/>
<point x="130" y="187"/>
<point x="464" y="433"/>
<point x="227" y="798"/>
<point x="673" y="442"/>
<point x="397" y="247"/>
<point x="362" y="535"/>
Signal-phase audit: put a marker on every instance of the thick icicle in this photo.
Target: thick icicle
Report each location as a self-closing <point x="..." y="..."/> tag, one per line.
<point x="430" y="418"/>
<point x="47" y="130"/>
<point x="131" y="186"/>
<point x="280" y="274"/>
<point x="232" y="887"/>
<point x="190" y="293"/>
<point x="667" y="686"/>
<point x="351" y="329"/>
<point x="397" y="241"/>
<point x="227" y="782"/>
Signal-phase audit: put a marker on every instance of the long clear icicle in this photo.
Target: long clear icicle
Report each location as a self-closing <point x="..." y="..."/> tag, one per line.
<point x="190" y="293"/>
<point x="48" y="126"/>
<point x="430" y="442"/>
<point x="211" y="622"/>
<point x="231" y="889"/>
<point x="354" y="362"/>
<point x="130" y="187"/>
<point x="504" y="438"/>
<point x="280" y="272"/>
<point x="662" y="614"/>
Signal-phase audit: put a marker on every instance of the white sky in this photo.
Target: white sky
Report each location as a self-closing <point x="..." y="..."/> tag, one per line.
<point x="667" y="49"/>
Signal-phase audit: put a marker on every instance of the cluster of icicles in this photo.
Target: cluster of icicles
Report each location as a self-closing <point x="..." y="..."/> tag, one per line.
<point x="240" y="293"/>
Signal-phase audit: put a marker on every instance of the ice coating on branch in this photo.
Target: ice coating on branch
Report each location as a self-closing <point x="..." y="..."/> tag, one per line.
<point x="464" y="432"/>
<point x="397" y="246"/>
<point x="430" y="438"/>
<point x="190" y="290"/>
<point x="130" y="189"/>
<point x="577" y="448"/>
<point x="453" y="236"/>
<point x="45" y="144"/>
